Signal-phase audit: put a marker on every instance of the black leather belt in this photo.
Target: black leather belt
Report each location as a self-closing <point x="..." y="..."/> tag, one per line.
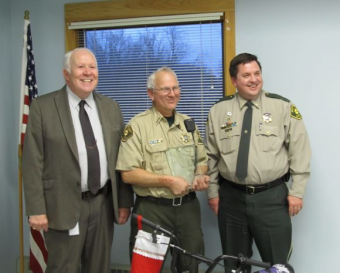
<point x="253" y="189"/>
<point x="171" y="202"/>
<point x="105" y="190"/>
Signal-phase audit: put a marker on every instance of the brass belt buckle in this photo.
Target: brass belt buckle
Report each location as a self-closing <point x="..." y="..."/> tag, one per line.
<point x="175" y="204"/>
<point x="250" y="189"/>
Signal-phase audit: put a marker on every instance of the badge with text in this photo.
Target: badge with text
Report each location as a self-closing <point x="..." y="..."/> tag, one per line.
<point x="267" y="117"/>
<point x="155" y="141"/>
<point x="294" y="112"/>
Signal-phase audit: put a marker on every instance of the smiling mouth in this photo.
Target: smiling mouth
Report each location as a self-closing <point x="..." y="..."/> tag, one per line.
<point x="252" y="85"/>
<point x="87" y="80"/>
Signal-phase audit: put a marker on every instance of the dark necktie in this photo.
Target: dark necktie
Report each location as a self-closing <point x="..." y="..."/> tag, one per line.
<point x="93" y="164"/>
<point x="243" y="152"/>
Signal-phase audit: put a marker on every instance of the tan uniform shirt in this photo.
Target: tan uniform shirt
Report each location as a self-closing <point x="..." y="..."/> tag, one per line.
<point x="279" y="142"/>
<point x="148" y="138"/>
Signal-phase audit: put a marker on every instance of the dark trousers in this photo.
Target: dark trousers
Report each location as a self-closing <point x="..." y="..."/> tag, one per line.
<point x="91" y="249"/>
<point x="184" y="221"/>
<point x="262" y="217"/>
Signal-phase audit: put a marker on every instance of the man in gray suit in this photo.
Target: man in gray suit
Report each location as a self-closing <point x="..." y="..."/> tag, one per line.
<point x="58" y="172"/>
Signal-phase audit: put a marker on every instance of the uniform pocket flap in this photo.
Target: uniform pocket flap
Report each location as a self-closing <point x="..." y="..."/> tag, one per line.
<point x="267" y="130"/>
<point x="230" y="132"/>
<point x="155" y="148"/>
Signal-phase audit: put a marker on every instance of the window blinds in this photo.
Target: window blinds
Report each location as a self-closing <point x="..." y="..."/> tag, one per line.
<point x="128" y="55"/>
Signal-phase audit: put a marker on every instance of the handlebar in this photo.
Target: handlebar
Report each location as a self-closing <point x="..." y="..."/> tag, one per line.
<point x="241" y="259"/>
<point x="253" y="262"/>
<point x="211" y="263"/>
<point x="154" y="226"/>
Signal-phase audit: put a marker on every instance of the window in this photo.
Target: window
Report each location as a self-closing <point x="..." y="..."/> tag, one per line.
<point x="126" y="57"/>
<point x="139" y="9"/>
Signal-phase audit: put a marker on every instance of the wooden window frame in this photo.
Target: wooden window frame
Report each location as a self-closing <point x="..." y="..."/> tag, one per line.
<point x="120" y="9"/>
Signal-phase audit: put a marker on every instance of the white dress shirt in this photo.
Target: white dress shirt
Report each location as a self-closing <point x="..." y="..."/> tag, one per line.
<point x="92" y="112"/>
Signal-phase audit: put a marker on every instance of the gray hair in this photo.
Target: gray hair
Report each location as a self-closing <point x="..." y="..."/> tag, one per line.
<point x="152" y="77"/>
<point x="68" y="55"/>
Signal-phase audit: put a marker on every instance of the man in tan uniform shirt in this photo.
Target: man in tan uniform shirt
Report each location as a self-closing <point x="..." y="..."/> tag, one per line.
<point x="159" y="156"/>
<point x="258" y="207"/>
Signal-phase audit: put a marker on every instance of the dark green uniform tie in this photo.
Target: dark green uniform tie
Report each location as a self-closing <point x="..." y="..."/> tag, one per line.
<point x="243" y="151"/>
<point x="93" y="170"/>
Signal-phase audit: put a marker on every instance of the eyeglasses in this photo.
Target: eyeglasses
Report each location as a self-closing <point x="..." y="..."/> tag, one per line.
<point x="167" y="90"/>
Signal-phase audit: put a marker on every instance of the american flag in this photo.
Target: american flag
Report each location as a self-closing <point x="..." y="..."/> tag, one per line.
<point x="29" y="91"/>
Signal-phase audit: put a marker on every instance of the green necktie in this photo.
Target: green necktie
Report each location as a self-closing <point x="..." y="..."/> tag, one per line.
<point x="243" y="151"/>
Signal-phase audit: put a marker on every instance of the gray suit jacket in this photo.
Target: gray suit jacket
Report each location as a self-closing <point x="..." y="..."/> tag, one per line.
<point x="51" y="171"/>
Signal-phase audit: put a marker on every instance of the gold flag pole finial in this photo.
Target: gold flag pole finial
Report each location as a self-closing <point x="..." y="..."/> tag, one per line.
<point x="27" y="15"/>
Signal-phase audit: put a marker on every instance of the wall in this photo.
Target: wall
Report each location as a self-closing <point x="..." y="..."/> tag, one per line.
<point x="298" y="45"/>
<point x="8" y="148"/>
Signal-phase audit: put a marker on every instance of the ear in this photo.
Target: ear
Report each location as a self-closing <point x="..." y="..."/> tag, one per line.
<point x="151" y="94"/>
<point x="66" y="75"/>
<point x="233" y="80"/>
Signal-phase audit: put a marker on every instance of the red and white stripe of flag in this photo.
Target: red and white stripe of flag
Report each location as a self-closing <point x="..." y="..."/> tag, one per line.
<point x="24" y="100"/>
<point x="38" y="250"/>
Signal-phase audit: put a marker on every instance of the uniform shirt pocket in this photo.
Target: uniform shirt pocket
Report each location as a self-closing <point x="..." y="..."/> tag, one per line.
<point x="155" y="156"/>
<point x="269" y="138"/>
<point x="229" y="140"/>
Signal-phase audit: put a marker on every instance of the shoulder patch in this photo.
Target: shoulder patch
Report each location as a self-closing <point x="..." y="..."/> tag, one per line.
<point x="127" y="133"/>
<point x="276" y="96"/>
<point x="226" y="98"/>
<point x="294" y="112"/>
<point x="199" y="138"/>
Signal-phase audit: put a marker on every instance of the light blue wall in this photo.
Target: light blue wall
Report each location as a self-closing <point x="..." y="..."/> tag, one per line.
<point x="297" y="42"/>
<point x="8" y="148"/>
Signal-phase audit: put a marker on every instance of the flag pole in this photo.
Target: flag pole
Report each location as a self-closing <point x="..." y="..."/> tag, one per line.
<point x="21" y="213"/>
<point x="21" y="233"/>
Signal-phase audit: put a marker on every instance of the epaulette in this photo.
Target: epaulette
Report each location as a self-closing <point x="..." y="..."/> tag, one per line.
<point x="276" y="96"/>
<point x="226" y="98"/>
<point x="142" y="114"/>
